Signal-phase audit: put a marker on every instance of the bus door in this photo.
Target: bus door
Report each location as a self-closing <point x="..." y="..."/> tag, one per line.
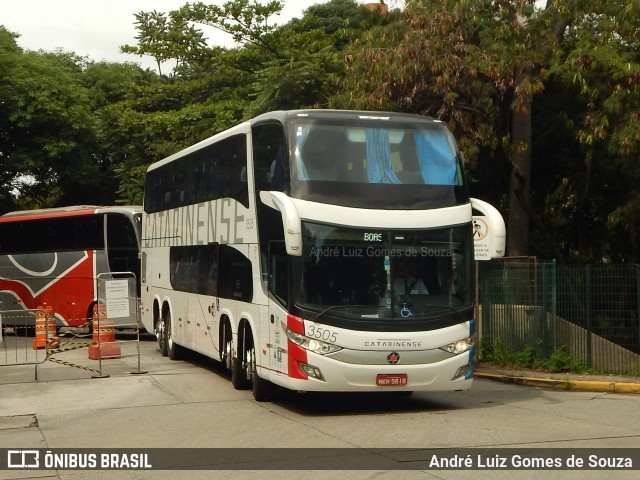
<point x="122" y="245"/>
<point x="278" y="281"/>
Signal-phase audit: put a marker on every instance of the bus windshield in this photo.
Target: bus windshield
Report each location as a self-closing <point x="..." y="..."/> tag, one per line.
<point x="371" y="274"/>
<point x="384" y="164"/>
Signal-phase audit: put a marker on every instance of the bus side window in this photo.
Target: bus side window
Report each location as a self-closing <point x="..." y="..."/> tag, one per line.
<point x="235" y="275"/>
<point x="278" y="274"/>
<point x="122" y="245"/>
<point x="268" y="157"/>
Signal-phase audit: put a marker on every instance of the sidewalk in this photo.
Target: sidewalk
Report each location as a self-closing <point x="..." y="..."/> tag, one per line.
<point x="560" y="381"/>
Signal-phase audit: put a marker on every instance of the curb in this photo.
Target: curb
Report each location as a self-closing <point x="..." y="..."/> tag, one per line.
<point x="583" y="385"/>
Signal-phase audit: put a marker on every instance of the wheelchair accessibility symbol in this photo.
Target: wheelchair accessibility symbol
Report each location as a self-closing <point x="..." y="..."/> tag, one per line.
<point x="406" y="311"/>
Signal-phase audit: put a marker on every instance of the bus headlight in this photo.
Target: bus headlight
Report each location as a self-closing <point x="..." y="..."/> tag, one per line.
<point x="461" y="346"/>
<point x="311" y="344"/>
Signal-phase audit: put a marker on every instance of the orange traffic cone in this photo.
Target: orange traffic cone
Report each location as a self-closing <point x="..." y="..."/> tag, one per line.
<point x="104" y="335"/>
<point x="46" y="334"/>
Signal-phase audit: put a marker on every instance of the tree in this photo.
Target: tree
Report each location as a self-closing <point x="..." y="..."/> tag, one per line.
<point x="289" y="66"/>
<point x="47" y="129"/>
<point x="166" y="38"/>
<point x="114" y="88"/>
<point x="273" y="67"/>
<point x="9" y="55"/>
<point x="601" y="62"/>
<point x="469" y="63"/>
<point x="481" y="66"/>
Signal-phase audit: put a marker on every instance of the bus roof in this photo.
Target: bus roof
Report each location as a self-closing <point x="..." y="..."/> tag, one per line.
<point x="69" y="211"/>
<point x="283" y="115"/>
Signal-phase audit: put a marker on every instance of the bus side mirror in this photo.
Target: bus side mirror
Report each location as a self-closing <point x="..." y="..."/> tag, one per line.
<point x="290" y="220"/>
<point x="489" y="231"/>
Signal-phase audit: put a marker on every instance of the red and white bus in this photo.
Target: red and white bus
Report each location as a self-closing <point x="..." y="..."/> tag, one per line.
<point x="317" y="250"/>
<point x="52" y="257"/>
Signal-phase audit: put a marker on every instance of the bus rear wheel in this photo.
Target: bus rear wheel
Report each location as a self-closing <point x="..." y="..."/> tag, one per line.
<point x="161" y="334"/>
<point x="173" y="349"/>
<point x="226" y="352"/>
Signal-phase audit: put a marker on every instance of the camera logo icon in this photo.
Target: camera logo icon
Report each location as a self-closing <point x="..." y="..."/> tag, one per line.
<point x="23" y="459"/>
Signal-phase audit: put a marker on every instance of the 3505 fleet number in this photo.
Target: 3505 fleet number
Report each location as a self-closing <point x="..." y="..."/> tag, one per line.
<point x="321" y="334"/>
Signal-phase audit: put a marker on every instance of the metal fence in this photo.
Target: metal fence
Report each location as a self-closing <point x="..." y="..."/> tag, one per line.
<point x="536" y="309"/>
<point x="39" y="338"/>
<point x="23" y="335"/>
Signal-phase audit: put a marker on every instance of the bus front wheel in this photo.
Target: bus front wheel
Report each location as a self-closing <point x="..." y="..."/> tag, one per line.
<point x="245" y="373"/>
<point x="262" y="389"/>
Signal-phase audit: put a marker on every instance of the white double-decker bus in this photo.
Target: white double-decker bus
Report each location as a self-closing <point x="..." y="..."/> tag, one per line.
<point x="317" y="250"/>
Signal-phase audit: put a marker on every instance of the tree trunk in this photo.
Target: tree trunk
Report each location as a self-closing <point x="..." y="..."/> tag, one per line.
<point x="520" y="186"/>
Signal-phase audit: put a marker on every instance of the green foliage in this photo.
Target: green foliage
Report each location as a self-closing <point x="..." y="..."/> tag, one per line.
<point x="281" y="67"/>
<point x="529" y="357"/>
<point x="129" y="118"/>
<point x="599" y="79"/>
<point x="9" y="55"/>
<point x="48" y="132"/>
<point x="246" y="21"/>
<point x="508" y="76"/>
<point x="635" y="370"/>
<point x="495" y="351"/>
<point x="562" y="361"/>
<point x="166" y="38"/>
<point x="284" y="86"/>
<point x="85" y="132"/>
<point x="110" y="83"/>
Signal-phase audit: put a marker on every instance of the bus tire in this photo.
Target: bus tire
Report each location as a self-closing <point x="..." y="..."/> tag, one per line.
<point x="173" y="349"/>
<point x="240" y="364"/>
<point x="161" y="334"/>
<point x="239" y="378"/>
<point x="226" y="351"/>
<point x="262" y="389"/>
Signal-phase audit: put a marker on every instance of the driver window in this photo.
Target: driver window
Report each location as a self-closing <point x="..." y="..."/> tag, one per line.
<point x="278" y="272"/>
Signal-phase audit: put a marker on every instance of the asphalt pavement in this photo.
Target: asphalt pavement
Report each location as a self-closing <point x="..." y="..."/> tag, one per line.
<point x="71" y="361"/>
<point x="76" y="407"/>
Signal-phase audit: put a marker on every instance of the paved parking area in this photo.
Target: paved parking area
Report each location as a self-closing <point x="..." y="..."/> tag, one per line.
<point x="191" y="405"/>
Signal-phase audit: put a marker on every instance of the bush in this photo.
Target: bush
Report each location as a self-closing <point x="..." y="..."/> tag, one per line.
<point x="495" y="351"/>
<point x="562" y="361"/>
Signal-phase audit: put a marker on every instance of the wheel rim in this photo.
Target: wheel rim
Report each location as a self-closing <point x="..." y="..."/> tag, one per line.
<point x="160" y="332"/>
<point x="227" y="354"/>
<point x="167" y="328"/>
<point x="251" y="364"/>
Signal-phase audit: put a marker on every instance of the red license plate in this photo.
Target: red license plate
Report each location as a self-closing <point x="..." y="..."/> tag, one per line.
<point x="392" y="380"/>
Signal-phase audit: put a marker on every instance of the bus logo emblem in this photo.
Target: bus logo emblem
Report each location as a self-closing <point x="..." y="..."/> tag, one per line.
<point x="393" y="358"/>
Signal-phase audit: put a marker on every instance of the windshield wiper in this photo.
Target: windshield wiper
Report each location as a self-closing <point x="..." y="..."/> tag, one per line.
<point x="318" y="315"/>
